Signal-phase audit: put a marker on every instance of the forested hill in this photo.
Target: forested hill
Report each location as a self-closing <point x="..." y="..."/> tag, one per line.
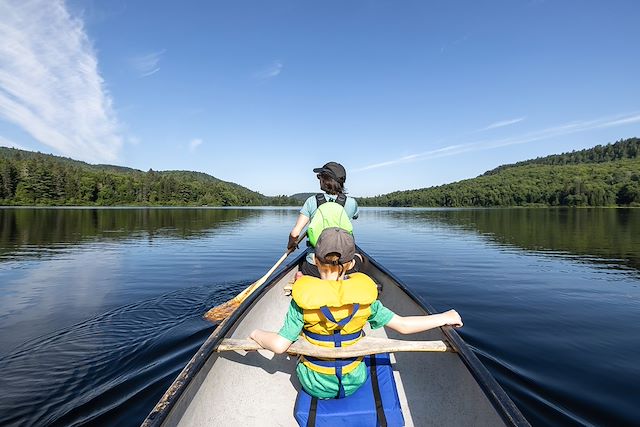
<point x="606" y="175"/>
<point x="623" y="149"/>
<point x="28" y="178"/>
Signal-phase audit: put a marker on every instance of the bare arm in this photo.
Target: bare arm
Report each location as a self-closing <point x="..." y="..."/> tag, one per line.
<point x="270" y="341"/>
<point x="300" y="224"/>
<point x="413" y="324"/>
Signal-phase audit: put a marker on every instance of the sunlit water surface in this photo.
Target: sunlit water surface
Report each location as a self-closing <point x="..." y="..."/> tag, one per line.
<point x="101" y="308"/>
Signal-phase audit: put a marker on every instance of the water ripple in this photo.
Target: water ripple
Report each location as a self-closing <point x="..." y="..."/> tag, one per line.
<point x="96" y="367"/>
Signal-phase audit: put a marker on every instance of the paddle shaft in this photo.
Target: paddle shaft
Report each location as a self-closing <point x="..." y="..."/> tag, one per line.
<point x="249" y="290"/>
<point x="223" y="310"/>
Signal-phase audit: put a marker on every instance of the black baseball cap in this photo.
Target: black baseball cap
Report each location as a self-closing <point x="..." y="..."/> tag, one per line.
<point x="336" y="240"/>
<point x="334" y="170"/>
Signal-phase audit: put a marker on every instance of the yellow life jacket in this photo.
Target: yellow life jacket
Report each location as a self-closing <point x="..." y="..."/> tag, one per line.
<point x="334" y="311"/>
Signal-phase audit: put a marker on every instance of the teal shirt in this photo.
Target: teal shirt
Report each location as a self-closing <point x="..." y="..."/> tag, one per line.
<point x="325" y="386"/>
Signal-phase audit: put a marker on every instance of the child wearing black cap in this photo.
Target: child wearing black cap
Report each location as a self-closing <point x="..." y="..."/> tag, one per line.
<point x="332" y="177"/>
<point x="331" y="311"/>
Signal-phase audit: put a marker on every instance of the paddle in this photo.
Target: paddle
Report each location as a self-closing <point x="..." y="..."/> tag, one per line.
<point x="366" y="345"/>
<point x="224" y="310"/>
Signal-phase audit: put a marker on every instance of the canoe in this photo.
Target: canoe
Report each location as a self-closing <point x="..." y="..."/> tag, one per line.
<point x="237" y="388"/>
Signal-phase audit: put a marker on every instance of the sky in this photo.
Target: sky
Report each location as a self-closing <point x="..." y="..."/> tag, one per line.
<point x="405" y="94"/>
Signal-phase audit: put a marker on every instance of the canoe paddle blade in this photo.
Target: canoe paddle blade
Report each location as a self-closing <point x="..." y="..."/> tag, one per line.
<point x="219" y="313"/>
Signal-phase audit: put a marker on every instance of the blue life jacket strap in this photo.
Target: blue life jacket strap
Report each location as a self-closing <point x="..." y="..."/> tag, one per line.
<point x="330" y="363"/>
<point x="327" y="313"/>
<point x="339" y="375"/>
<point x="346" y="337"/>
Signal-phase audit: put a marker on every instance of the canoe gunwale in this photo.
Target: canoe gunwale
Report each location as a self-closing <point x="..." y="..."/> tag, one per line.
<point x="503" y="404"/>
<point x="160" y="412"/>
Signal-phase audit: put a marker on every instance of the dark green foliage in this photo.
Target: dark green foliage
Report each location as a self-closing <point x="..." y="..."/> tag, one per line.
<point x="623" y="149"/>
<point x="629" y="194"/>
<point x="28" y="178"/>
<point x="602" y="176"/>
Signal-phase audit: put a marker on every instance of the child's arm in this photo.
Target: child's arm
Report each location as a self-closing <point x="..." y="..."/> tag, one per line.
<point x="270" y="341"/>
<point x="290" y="331"/>
<point x="413" y="324"/>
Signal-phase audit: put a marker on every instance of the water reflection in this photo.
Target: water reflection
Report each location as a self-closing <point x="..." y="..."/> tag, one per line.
<point x="609" y="236"/>
<point x="29" y="232"/>
<point x="77" y="285"/>
<point x="107" y="370"/>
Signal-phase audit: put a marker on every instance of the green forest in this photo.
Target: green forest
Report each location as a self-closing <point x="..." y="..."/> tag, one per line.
<point x="606" y="175"/>
<point x="28" y="178"/>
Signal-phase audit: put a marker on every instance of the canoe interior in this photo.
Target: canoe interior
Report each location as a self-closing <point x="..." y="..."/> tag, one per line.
<point x="259" y="388"/>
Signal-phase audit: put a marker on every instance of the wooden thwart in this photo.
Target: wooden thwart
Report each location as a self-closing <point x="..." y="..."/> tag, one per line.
<point x="367" y="345"/>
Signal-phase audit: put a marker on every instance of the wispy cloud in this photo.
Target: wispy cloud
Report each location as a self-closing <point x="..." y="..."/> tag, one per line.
<point x="454" y="43"/>
<point x="49" y="81"/>
<point x="4" y="142"/>
<point x="194" y="143"/>
<point x="272" y="70"/>
<point x="502" y="124"/>
<point x="147" y="64"/>
<point x="560" y="130"/>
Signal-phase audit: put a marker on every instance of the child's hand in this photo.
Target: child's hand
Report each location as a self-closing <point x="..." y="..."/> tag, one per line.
<point x="453" y="318"/>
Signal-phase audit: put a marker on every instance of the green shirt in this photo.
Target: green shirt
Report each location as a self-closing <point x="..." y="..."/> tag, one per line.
<point x="325" y="386"/>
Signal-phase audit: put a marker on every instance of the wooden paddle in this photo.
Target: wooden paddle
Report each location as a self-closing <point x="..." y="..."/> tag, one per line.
<point x="224" y="310"/>
<point x="367" y="345"/>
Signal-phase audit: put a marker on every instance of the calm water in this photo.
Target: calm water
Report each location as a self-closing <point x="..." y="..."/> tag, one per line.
<point x="101" y="308"/>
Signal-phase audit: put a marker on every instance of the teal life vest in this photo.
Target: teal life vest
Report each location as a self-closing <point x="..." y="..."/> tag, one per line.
<point x="328" y="214"/>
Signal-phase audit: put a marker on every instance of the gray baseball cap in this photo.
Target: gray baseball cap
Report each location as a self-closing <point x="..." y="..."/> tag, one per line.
<point x="336" y="240"/>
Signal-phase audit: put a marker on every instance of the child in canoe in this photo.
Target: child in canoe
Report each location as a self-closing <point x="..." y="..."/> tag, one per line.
<point x="331" y="312"/>
<point x="333" y="208"/>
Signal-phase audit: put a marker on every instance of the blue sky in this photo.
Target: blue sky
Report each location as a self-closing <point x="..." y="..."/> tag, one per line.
<point x="405" y="94"/>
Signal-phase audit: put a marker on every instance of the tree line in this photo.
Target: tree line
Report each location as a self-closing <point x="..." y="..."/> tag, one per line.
<point x="28" y="178"/>
<point x="601" y="176"/>
<point x="622" y="149"/>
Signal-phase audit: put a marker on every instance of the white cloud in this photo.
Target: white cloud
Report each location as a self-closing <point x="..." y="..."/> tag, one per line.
<point x="272" y="70"/>
<point x="502" y="123"/>
<point x="564" y="129"/>
<point x="194" y="143"/>
<point x="49" y="81"/>
<point x="147" y="64"/>
<point x="454" y="43"/>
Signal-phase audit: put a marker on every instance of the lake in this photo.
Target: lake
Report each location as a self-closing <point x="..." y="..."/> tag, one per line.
<point x="101" y="308"/>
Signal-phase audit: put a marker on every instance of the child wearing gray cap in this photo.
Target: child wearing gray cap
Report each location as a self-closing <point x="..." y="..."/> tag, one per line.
<point x="331" y="311"/>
